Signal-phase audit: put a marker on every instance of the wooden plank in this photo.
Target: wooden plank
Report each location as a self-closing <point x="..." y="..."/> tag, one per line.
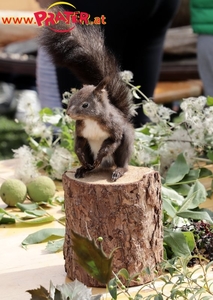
<point x="167" y="92"/>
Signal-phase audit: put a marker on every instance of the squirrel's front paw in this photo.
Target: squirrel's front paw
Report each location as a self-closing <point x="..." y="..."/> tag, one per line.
<point x="82" y="170"/>
<point x="118" y="173"/>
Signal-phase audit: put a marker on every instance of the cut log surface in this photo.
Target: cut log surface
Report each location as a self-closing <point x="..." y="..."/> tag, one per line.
<point x="127" y="214"/>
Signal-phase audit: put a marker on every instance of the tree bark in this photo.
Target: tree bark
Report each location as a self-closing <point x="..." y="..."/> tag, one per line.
<point x="127" y="214"/>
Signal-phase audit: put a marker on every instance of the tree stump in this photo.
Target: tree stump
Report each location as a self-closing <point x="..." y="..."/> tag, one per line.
<point x="127" y="214"/>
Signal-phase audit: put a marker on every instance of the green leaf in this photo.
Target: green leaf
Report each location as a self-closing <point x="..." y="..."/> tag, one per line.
<point x="210" y="155"/>
<point x="112" y="288"/>
<point x="195" y="215"/>
<point x="37" y="212"/>
<point x="191" y="176"/>
<point x="172" y="195"/>
<point x="182" y="189"/>
<point x="197" y="195"/>
<point x="92" y="258"/>
<point x="6" y="220"/>
<point x="158" y="297"/>
<point x="177" y="242"/>
<point x="124" y="273"/>
<point x="28" y="206"/>
<point x="167" y="206"/>
<point x="189" y="236"/>
<point x="204" y="172"/>
<point x="178" y="170"/>
<point x="138" y="297"/>
<point x="209" y="101"/>
<point x="46" y="111"/>
<point x="42" y="235"/>
<point x="36" y="220"/>
<point x="55" y="246"/>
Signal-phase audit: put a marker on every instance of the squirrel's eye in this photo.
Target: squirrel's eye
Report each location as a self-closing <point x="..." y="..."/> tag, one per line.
<point x="85" y="104"/>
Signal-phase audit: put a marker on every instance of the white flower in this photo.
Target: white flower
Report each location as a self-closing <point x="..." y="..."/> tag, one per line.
<point x="26" y="164"/>
<point x="28" y="105"/>
<point x="197" y="104"/>
<point x="165" y="112"/>
<point x="179" y="142"/>
<point x="61" y="160"/>
<point x="157" y="113"/>
<point x="198" y="137"/>
<point x="150" y="109"/>
<point x="126" y="76"/>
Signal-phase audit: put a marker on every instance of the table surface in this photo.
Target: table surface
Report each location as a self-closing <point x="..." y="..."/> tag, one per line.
<point x="21" y="269"/>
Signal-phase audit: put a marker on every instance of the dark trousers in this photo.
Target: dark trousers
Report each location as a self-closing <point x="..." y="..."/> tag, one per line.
<point x="135" y="32"/>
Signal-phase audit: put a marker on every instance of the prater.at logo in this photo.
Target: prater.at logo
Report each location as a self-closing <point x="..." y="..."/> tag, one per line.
<point x="71" y="17"/>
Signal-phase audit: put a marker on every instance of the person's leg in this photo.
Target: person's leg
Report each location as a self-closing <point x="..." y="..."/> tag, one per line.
<point x="205" y="62"/>
<point x="46" y="81"/>
<point x="145" y="48"/>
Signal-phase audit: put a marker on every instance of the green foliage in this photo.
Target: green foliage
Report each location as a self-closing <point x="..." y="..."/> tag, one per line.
<point x="177" y="171"/>
<point x="171" y="148"/>
<point x="92" y="258"/>
<point x="12" y="136"/>
<point x="70" y="291"/>
<point x="43" y="235"/>
<point x="177" y="282"/>
<point x="27" y="219"/>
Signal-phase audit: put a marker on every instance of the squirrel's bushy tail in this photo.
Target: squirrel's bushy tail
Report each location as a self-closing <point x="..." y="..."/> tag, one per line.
<point x="83" y="51"/>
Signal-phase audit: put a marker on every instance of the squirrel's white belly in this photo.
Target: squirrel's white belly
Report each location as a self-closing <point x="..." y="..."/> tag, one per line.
<point x="95" y="135"/>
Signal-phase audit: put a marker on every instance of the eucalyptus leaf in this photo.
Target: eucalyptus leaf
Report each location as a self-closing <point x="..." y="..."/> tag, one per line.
<point x="177" y="242"/>
<point x="43" y="235"/>
<point x="178" y="170"/>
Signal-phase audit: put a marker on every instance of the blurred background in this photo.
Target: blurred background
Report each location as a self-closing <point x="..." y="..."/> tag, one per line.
<point x="178" y="79"/>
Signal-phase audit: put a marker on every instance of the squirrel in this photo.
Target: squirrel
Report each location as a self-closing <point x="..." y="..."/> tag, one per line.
<point x="102" y="108"/>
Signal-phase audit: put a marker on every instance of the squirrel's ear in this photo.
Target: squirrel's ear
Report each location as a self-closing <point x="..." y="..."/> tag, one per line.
<point x="101" y="85"/>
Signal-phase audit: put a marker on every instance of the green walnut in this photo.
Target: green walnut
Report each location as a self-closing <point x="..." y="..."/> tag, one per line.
<point x="41" y="189"/>
<point x="13" y="191"/>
